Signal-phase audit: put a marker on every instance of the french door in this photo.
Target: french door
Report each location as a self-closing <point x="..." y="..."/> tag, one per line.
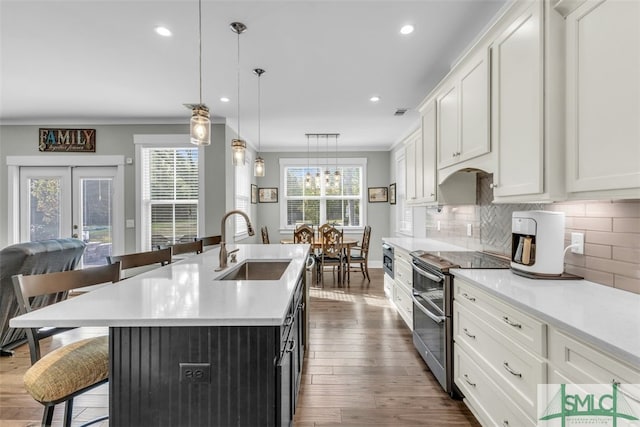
<point x="64" y="201"/>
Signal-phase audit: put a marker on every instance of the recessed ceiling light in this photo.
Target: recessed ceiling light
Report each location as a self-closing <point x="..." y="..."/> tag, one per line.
<point x="407" y="29"/>
<point x="163" y="31"/>
<point x="374" y="99"/>
<point x="224" y="99"/>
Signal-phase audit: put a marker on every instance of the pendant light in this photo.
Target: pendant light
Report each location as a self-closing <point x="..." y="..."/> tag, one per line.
<point x="200" y="124"/>
<point x="258" y="166"/>
<point x="336" y="174"/>
<point x="239" y="146"/>
<point x="308" y="176"/>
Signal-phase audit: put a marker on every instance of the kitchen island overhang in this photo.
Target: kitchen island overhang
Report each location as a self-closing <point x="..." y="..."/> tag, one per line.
<point x="187" y="349"/>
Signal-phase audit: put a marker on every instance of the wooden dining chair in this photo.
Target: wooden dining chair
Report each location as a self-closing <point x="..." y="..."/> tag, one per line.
<point x="210" y="240"/>
<point x="196" y="247"/>
<point x="304" y="234"/>
<point x="265" y="234"/>
<point x="74" y="368"/>
<point x="141" y="259"/>
<point x="361" y="255"/>
<point x="332" y="253"/>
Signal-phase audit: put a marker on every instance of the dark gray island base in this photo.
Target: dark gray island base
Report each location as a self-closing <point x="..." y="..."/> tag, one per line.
<point x="208" y="375"/>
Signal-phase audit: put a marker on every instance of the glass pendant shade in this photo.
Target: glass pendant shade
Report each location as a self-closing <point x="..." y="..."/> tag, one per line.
<point x="258" y="167"/>
<point x="336" y="177"/>
<point x="239" y="147"/>
<point x="308" y="179"/>
<point x="317" y="179"/>
<point x="200" y="126"/>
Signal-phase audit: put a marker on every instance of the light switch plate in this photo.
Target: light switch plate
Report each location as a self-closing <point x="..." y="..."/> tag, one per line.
<point x="469" y="230"/>
<point x="438" y="225"/>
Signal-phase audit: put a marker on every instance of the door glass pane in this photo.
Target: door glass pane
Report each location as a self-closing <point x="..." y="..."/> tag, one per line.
<point x="44" y="208"/>
<point x="97" y="219"/>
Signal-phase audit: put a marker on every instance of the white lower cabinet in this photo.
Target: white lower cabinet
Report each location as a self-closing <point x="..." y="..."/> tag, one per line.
<point x="573" y="361"/>
<point x="488" y="401"/>
<point x="403" y="285"/>
<point x="501" y="355"/>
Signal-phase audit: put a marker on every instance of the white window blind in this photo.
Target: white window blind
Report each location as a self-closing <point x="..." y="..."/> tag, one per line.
<point x="242" y="194"/>
<point x="170" y="191"/>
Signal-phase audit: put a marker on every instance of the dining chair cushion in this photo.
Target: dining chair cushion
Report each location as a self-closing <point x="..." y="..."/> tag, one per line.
<point x="68" y="369"/>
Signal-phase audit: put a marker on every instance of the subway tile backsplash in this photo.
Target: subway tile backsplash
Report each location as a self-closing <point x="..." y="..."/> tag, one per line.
<point x="612" y="233"/>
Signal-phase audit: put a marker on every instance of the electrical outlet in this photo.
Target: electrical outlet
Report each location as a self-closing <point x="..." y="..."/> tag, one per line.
<point x="469" y="230"/>
<point x="195" y="372"/>
<point x="577" y="239"/>
<point x="438" y="225"/>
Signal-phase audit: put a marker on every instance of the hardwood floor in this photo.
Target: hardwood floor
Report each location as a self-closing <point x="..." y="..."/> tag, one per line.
<point x="361" y="369"/>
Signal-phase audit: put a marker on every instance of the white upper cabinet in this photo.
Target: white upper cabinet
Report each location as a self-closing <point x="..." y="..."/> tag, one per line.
<point x="603" y="99"/>
<point x="429" y="177"/>
<point x="463" y="113"/>
<point x="518" y="108"/>
<point x="527" y="117"/>
<point x="413" y="159"/>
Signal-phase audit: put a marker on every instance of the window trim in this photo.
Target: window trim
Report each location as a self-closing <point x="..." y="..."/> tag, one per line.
<point x="165" y="141"/>
<point x="321" y="162"/>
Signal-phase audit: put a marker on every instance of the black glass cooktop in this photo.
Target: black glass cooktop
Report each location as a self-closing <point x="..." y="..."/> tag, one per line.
<point x="444" y="260"/>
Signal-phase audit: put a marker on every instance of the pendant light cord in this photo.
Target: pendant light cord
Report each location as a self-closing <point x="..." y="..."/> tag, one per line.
<point x="200" y="46"/>
<point x="259" y="75"/>
<point x="238" y="74"/>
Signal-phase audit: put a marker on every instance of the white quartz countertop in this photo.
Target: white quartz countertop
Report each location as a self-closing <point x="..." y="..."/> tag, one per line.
<point x="184" y="293"/>
<point x="410" y="244"/>
<point x="606" y="317"/>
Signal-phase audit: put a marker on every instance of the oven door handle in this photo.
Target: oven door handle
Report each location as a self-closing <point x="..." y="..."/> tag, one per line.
<point x="427" y="275"/>
<point x="428" y="301"/>
<point x="437" y="319"/>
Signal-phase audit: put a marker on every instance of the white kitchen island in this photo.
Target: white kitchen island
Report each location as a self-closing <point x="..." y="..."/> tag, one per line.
<point x="191" y="350"/>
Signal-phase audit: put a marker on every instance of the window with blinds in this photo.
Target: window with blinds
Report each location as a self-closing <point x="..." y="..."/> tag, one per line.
<point x="315" y="195"/>
<point x="170" y="195"/>
<point x="242" y="197"/>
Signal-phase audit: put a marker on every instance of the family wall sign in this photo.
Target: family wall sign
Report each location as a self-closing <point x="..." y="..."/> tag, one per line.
<point x="68" y="140"/>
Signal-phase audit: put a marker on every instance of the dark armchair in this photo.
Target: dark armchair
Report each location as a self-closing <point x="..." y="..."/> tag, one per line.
<point x="45" y="256"/>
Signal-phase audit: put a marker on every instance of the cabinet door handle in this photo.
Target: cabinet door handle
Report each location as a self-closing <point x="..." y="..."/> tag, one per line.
<point x="511" y="323"/>
<point x="453" y="154"/>
<point x="466" y="332"/>
<point x="288" y="321"/>
<point x="432" y="194"/>
<point x="511" y="371"/>
<point x="505" y="423"/>
<point x="492" y="185"/>
<point x="472" y="299"/>
<point x="466" y="378"/>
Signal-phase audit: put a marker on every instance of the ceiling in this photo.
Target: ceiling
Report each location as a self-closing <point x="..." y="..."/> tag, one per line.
<point x="96" y="62"/>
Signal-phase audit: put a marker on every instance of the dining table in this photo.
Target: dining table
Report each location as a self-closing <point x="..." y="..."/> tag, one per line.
<point x="347" y="245"/>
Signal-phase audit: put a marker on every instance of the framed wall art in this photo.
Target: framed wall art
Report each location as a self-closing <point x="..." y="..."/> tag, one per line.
<point x="392" y="194"/>
<point x="268" y="195"/>
<point x="378" y="194"/>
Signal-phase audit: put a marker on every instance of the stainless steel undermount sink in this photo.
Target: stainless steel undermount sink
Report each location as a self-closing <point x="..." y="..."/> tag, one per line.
<point x="257" y="270"/>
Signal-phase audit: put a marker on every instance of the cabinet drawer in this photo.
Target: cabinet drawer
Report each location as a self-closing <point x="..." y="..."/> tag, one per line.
<point x="388" y="286"/>
<point x="404" y="305"/>
<point x="404" y="274"/>
<point x="582" y="364"/>
<point x="485" y="397"/>
<point x="515" y="369"/>
<point x="517" y="326"/>
<point x="401" y="256"/>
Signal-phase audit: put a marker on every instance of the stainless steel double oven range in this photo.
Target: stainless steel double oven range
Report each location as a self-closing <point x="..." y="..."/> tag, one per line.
<point x="433" y="307"/>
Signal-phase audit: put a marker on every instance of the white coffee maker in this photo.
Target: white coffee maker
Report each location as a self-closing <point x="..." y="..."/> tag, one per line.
<point x="537" y="243"/>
